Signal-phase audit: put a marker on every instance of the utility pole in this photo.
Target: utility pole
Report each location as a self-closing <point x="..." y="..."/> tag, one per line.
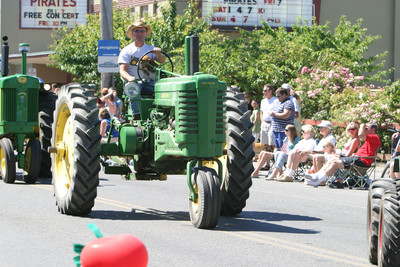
<point x="106" y="29"/>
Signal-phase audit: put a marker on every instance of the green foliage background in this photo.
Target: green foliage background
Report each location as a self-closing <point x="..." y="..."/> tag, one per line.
<point x="251" y="59"/>
<point x="254" y="58"/>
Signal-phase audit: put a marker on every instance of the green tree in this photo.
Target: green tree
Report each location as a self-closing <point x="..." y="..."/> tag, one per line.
<point x="254" y="58"/>
<point x="75" y="49"/>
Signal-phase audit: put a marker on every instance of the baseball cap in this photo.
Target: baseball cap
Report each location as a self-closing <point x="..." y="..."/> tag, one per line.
<point x="286" y="86"/>
<point x="326" y="124"/>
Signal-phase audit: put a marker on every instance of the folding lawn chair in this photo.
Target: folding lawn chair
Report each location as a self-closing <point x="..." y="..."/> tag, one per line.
<point x="301" y="170"/>
<point x="356" y="176"/>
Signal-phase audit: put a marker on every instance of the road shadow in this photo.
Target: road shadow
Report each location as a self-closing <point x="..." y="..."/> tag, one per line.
<point x="264" y="222"/>
<point x="139" y="214"/>
<point x="43" y="181"/>
<point x="246" y="221"/>
<point x="19" y="180"/>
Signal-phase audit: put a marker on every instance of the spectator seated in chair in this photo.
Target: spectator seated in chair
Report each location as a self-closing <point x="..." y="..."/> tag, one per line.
<point x="280" y="156"/>
<point x="299" y="153"/>
<point x="325" y="129"/>
<point x="352" y="145"/>
<point x="372" y="142"/>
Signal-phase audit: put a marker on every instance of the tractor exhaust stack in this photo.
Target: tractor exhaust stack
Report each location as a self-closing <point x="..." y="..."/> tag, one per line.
<point x="4" y="57"/>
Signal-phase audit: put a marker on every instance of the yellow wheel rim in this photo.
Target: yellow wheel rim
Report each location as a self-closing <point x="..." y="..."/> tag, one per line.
<point x="3" y="162"/>
<point x="27" y="160"/>
<point x="214" y="164"/>
<point x="195" y="204"/>
<point x="64" y="141"/>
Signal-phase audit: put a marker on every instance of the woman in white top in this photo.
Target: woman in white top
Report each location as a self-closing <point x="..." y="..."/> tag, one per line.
<point x="299" y="153"/>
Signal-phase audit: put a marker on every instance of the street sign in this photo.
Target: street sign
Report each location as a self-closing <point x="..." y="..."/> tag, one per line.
<point x="107" y="59"/>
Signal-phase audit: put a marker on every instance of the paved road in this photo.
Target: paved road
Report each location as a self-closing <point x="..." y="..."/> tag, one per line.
<point x="283" y="224"/>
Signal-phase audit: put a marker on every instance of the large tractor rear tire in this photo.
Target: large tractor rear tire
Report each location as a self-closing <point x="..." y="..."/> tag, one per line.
<point x="204" y="212"/>
<point x="33" y="156"/>
<point x="76" y="163"/>
<point x="240" y="153"/>
<point x="389" y="230"/>
<point x="7" y="161"/>
<point x="376" y="191"/>
<point x="47" y="103"/>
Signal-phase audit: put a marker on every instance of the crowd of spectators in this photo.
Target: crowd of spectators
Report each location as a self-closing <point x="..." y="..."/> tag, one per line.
<point x="277" y="126"/>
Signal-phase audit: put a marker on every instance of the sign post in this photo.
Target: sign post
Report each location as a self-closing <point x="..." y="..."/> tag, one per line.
<point x="106" y="28"/>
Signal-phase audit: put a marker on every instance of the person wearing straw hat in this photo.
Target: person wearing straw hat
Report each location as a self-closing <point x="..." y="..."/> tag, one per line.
<point x="129" y="56"/>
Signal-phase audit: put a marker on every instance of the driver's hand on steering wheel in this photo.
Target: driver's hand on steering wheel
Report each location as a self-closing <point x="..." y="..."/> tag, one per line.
<point x="132" y="79"/>
<point x="157" y="52"/>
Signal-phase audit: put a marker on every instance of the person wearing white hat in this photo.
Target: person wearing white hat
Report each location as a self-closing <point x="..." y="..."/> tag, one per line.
<point x="363" y="157"/>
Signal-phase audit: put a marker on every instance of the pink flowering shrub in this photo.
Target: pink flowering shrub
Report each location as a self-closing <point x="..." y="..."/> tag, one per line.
<point x="317" y="87"/>
<point x="338" y="95"/>
<point x="362" y="104"/>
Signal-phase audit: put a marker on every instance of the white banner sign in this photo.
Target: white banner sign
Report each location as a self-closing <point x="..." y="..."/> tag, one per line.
<point x="252" y="12"/>
<point x="49" y="14"/>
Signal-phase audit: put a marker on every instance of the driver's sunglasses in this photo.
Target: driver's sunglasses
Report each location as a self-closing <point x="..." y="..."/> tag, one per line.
<point x="141" y="31"/>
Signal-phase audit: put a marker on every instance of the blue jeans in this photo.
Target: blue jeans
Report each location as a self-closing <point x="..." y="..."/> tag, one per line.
<point x="278" y="138"/>
<point x="146" y="89"/>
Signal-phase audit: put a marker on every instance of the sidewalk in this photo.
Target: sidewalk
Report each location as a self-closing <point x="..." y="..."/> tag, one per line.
<point x="378" y="170"/>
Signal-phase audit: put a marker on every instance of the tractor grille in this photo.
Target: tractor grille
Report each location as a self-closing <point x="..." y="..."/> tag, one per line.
<point x="9" y="108"/>
<point x="187" y="112"/>
<point x="220" y="119"/>
<point x="33" y="109"/>
<point x="28" y="109"/>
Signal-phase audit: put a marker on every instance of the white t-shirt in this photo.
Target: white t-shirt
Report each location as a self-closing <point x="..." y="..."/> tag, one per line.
<point x="131" y="54"/>
<point x="306" y="144"/>
<point x="266" y="107"/>
<point x="296" y="104"/>
<point x="322" y="142"/>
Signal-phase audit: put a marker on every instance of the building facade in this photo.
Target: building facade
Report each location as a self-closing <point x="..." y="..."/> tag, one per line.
<point x="31" y="21"/>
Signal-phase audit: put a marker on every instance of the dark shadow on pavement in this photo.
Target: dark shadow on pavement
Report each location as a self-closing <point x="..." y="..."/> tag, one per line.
<point x="138" y="214"/>
<point x="247" y="221"/>
<point x="265" y="222"/>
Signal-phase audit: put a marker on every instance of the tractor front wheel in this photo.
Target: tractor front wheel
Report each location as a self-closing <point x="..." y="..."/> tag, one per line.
<point x="204" y="212"/>
<point x="7" y="160"/>
<point x="33" y="155"/>
<point x="76" y="143"/>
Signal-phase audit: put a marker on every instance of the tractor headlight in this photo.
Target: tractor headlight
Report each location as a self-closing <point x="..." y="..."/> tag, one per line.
<point x="132" y="90"/>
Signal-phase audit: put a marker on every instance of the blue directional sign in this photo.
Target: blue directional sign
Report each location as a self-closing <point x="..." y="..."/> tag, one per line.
<point x="108" y="52"/>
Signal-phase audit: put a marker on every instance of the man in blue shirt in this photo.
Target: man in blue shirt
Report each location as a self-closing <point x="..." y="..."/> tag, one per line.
<point x="282" y="115"/>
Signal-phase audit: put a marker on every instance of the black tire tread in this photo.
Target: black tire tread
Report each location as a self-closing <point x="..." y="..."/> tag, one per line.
<point x="240" y="153"/>
<point x="85" y="177"/>
<point x="47" y="102"/>
<point x="390" y="238"/>
<point x="35" y="160"/>
<point x="377" y="188"/>
<point x="8" y="151"/>
<point x="209" y="196"/>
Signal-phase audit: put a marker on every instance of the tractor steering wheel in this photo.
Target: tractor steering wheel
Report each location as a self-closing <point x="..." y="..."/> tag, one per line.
<point x="152" y="69"/>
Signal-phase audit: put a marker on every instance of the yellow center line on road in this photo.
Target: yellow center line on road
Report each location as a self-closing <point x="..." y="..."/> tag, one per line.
<point x="320" y="253"/>
<point x="264" y="239"/>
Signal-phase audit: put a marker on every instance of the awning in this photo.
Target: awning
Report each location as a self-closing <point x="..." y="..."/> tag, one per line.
<point x="32" y="58"/>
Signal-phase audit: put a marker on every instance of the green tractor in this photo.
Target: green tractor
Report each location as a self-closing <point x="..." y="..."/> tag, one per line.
<point x="191" y="125"/>
<point x="22" y="130"/>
